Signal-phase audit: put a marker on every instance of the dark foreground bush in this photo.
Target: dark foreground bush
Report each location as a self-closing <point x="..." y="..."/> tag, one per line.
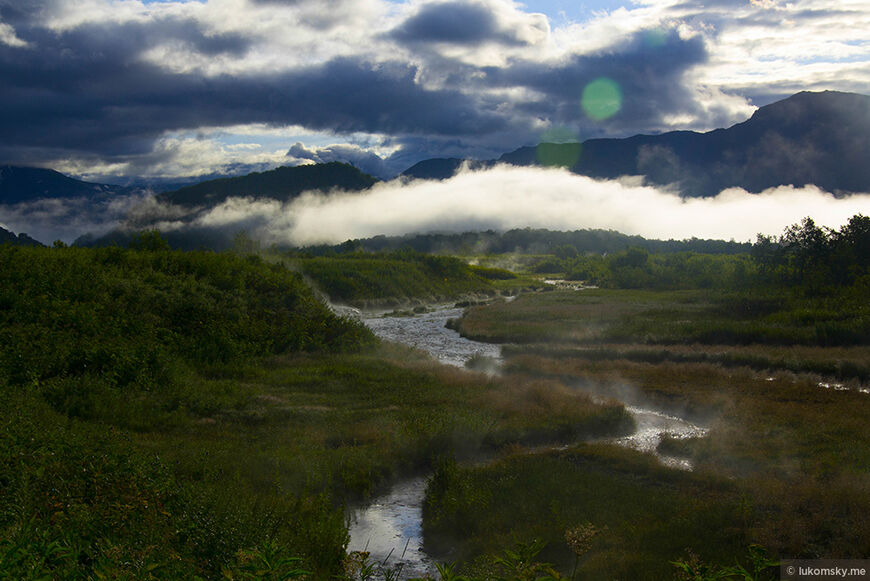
<point x="91" y="328"/>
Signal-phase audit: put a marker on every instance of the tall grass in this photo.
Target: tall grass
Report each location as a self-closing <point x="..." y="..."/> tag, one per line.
<point x="643" y="511"/>
<point x="683" y="317"/>
<point x="357" y="278"/>
<point x="178" y="415"/>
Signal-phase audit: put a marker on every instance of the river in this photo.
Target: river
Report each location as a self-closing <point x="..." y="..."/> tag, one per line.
<point x="429" y="332"/>
<point x="390" y="527"/>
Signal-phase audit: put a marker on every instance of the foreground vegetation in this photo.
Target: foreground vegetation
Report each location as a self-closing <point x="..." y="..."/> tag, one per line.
<point x="182" y="415"/>
<point x="777" y="372"/>
<point x="173" y="415"/>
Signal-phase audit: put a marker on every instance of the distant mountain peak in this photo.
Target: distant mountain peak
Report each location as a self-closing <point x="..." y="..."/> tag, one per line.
<point x="8" y="237"/>
<point x="819" y="138"/>
<point x="23" y="184"/>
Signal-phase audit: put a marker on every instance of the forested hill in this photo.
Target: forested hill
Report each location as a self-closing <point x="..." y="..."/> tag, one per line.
<point x="529" y="241"/>
<point x="114" y="324"/>
<point x="283" y="183"/>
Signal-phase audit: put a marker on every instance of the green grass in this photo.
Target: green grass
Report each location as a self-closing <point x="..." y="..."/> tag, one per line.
<point x="175" y="415"/>
<point x="361" y="278"/>
<point x="784" y="463"/>
<point x="831" y="364"/>
<point x="304" y="435"/>
<point x="678" y="317"/>
<point x="172" y="415"/>
<point x="645" y="513"/>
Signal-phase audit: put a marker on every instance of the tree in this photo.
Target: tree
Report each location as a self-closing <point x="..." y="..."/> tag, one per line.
<point x="244" y="244"/>
<point x="806" y="246"/>
<point x="565" y="251"/>
<point x="767" y="254"/>
<point x="149" y="240"/>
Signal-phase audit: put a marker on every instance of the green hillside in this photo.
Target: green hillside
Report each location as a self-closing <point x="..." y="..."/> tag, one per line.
<point x="283" y="183"/>
<point x="358" y="277"/>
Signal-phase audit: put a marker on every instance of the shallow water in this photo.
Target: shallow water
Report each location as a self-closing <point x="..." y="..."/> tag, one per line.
<point x="428" y="332"/>
<point x="651" y="426"/>
<point x="390" y="527"/>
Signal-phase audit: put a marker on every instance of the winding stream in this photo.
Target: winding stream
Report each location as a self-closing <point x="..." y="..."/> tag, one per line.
<point x="390" y="527"/>
<point x="429" y="332"/>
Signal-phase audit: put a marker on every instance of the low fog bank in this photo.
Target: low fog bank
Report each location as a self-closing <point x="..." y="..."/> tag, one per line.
<point x="506" y="197"/>
<point x="498" y="198"/>
<point x="66" y="219"/>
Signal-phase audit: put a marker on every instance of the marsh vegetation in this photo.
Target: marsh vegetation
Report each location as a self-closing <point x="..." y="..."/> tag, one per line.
<point x="777" y="370"/>
<point x="178" y="414"/>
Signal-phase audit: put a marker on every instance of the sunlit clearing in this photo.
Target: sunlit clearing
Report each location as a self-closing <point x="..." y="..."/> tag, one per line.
<point x="602" y="99"/>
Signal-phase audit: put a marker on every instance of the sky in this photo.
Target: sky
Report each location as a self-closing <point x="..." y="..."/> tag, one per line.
<point x="115" y="89"/>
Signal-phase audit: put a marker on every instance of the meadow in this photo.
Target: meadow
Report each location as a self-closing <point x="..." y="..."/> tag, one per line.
<point x="777" y="372"/>
<point x="204" y="415"/>
<point x="199" y="415"/>
<point x="396" y="278"/>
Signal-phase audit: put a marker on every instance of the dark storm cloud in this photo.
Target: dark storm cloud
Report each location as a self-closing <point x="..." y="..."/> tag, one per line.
<point x="452" y="22"/>
<point x="648" y="69"/>
<point x="16" y="12"/>
<point x="88" y="90"/>
<point x="347" y="95"/>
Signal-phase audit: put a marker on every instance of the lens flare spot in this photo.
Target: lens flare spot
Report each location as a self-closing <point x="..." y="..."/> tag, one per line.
<point x="602" y="99"/>
<point x="558" y="147"/>
<point x="655" y="38"/>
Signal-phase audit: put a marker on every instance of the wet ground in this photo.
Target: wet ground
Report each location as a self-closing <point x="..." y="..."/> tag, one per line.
<point x="390" y="527"/>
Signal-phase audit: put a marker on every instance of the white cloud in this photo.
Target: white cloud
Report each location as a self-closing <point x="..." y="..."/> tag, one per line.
<point x="9" y="38"/>
<point x="507" y="197"/>
<point x="786" y="47"/>
<point x="755" y="48"/>
<point x="66" y="219"/>
<point x="180" y="154"/>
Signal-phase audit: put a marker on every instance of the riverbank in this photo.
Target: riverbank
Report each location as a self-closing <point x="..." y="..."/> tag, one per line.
<point x="783" y="464"/>
<point x="393" y="521"/>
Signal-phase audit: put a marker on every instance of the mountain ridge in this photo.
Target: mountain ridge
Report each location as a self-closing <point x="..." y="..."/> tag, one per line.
<point x="809" y="138"/>
<point x="815" y="138"/>
<point x="22" y="239"/>
<point x="24" y="184"/>
<point x="282" y="183"/>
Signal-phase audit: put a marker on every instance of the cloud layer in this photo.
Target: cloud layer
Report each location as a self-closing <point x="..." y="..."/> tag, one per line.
<point x="113" y="86"/>
<point x="507" y="197"/>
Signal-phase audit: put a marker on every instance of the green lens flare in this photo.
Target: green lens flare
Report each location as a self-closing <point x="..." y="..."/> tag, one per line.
<point x="558" y="147"/>
<point x="602" y="99"/>
<point x="655" y="38"/>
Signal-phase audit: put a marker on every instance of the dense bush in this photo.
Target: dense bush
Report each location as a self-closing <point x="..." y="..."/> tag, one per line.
<point x="90" y="328"/>
<point x="359" y="276"/>
<point x="816" y="258"/>
<point x="80" y="501"/>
